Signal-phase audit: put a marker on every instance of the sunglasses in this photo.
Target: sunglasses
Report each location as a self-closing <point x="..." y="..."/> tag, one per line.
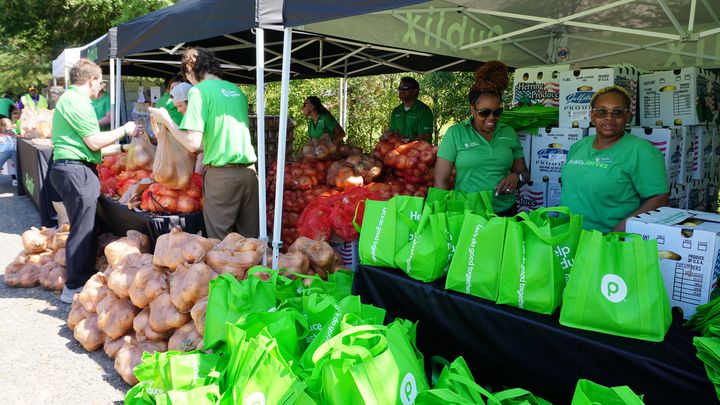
<point x="405" y="88"/>
<point x="615" y="112"/>
<point x="485" y="112"/>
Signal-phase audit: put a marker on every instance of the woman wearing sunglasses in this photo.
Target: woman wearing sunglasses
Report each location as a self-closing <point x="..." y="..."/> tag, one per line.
<point x="613" y="175"/>
<point x="485" y="153"/>
<point x="321" y="122"/>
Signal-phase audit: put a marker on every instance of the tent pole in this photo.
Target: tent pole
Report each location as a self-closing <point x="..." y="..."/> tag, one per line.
<point x="343" y="102"/>
<point x="67" y="77"/>
<point x="280" y="177"/>
<point x="691" y="22"/>
<point x="260" y="127"/>
<point x="118" y="92"/>
<point x="112" y="93"/>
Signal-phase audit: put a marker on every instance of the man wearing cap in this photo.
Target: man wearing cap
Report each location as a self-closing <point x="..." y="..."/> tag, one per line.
<point x="412" y="119"/>
<point x="179" y="96"/>
<point x="33" y="100"/>
<point x="165" y="101"/>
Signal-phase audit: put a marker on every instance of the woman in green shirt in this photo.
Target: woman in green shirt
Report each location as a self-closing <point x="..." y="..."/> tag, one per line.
<point x="321" y="122"/>
<point x="613" y="175"/>
<point x="485" y="153"/>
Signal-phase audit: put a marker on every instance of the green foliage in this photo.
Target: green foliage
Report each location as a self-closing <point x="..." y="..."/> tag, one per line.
<point x="34" y="32"/>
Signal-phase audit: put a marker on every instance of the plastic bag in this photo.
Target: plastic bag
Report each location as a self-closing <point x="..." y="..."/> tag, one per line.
<point x="140" y="153"/>
<point x="174" y="165"/>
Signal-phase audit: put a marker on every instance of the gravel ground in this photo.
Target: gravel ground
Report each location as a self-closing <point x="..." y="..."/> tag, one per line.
<point x="41" y="361"/>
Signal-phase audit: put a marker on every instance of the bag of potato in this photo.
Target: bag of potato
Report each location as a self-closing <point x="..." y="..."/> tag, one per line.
<point x="235" y="255"/>
<point x="37" y="240"/>
<point x="60" y="237"/>
<point x="120" y="279"/>
<point x="115" y="315"/>
<point x="176" y="247"/>
<point x="134" y="242"/>
<point x="27" y="275"/>
<point x="130" y="355"/>
<point x="197" y="313"/>
<point x="111" y="347"/>
<point x="164" y="317"/>
<point x="52" y="276"/>
<point x="88" y="333"/>
<point x="174" y="165"/>
<point x="93" y="292"/>
<point x="323" y="258"/>
<point x="185" y="339"/>
<point x="149" y="282"/>
<point x="59" y="257"/>
<point x="77" y="314"/>
<point x="143" y="331"/>
<point x="189" y="283"/>
<point x="140" y="153"/>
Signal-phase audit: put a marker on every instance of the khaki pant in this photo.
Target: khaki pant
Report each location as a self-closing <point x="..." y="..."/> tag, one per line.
<point x="231" y="201"/>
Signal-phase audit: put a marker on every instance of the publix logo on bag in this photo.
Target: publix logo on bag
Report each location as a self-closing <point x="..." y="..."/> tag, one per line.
<point x="256" y="398"/>
<point x="408" y="390"/>
<point x="613" y="287"/>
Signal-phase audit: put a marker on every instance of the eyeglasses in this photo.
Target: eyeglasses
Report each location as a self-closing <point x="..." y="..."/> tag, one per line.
<point x="485" y="112"/>
<point x="615" y="112"/>
<point x="405" y="88"/>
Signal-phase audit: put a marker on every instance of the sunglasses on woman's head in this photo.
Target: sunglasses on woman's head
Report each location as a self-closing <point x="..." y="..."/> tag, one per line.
<point x="485" y="112"/>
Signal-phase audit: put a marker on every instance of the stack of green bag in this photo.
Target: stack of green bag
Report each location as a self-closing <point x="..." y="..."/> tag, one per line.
<point x="590" y="393"/>
<point x="456" y="386"/>
<point x="706" y="322"/>
<point x="280" y="342"/>
<point x="530" y="117"/>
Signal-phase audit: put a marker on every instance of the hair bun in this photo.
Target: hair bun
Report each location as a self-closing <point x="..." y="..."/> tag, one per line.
<point x="492" y="76"/>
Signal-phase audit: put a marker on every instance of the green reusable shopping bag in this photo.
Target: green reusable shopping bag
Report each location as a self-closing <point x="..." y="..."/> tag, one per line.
<point x="287" y="326"/>
<point x="589" y="393"/>
<point x="475" y="266"/>
<point x="537" y="256"/>
<point x="370" y="364"/>
<point x="427" y="256"/>
<point x="204" y="395"/>
<point x="257" y="372"/>
<point x="408" y="211"/>
<point x="160" y="372"/>
<point x="616" y="287"/>
<point x="229" y="300"/>
<point x="376" y="246"/>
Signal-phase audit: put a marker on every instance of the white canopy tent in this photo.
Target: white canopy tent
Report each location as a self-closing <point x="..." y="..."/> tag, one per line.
<point x="61" y="65"/>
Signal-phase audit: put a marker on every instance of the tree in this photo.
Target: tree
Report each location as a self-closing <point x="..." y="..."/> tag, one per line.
<point x="34" y="32"/>
<point x="448" y="92"/>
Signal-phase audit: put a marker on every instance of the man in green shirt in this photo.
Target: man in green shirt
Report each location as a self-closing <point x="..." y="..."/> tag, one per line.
<point x="412" y="119"/>
<point x="101" y="105"/>
<point x="216" y="120"/>
<point x="165" y="101"/>
<point x="78" y="143"/>
<point x="5" y="104"/>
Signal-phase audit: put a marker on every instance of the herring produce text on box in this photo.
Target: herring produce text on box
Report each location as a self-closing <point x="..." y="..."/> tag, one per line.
<point x="538" y="85"/>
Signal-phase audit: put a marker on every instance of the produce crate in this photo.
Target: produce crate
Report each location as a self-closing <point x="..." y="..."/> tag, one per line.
<point x="272" y="129"/>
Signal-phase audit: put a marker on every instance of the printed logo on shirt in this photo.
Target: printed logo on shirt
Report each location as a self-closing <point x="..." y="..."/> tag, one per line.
<point x="601" y="163"/>
<point x="230" y="93"/>
<point x="471" y="144"/>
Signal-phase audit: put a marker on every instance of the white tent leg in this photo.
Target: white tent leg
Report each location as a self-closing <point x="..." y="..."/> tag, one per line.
<point x="67" y="77"/>
<point x="112" y="93"/>
<point x="343" y="102"/>
<point x="282" y="139"/>
<point x="119" y="99"/>
<point x="260" y="126"/>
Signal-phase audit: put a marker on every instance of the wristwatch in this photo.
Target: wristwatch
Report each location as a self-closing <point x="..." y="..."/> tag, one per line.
<point x="520" y="176"/>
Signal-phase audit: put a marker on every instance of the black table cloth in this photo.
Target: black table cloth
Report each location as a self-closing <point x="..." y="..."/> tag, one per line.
<point x="116" y="218"/>
<point x="506" y="346"/>
<point x="33" y="168"/>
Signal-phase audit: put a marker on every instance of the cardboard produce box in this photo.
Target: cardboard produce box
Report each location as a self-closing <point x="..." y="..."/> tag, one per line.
<point x="669" y="142"/>
<point x="678" y="196"/>
<point x="677" y="97"/>
<point x="688" y="160"/>
<point x="538" y="85"/>
<point x="578" y="86"/>
<point x="526" y="138"/>
<point x="703" y="151"/>
<point x="549" y="152"/>
<point x="538" y="194"/>
<point x="688" y="245"/>
<point x="695" y="195"/>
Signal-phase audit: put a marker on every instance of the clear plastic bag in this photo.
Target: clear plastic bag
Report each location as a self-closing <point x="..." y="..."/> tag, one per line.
<point x="141" y="153"/>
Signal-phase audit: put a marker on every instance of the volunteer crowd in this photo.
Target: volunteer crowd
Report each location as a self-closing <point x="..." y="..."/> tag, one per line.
<point x="608" y="177"/>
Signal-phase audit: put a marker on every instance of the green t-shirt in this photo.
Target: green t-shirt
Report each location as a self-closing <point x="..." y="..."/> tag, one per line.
<point x="417" y="120"/>
<point x="605" y="186"/>
<point x="5" y="104"/>
<point x="326" y="124"/>
<point x="219" y="109"/>
<point x="165" y="101"/>
<point x="479" y="164"/>
<point x="74" y="119"/>
<point x="101" y="107"/>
